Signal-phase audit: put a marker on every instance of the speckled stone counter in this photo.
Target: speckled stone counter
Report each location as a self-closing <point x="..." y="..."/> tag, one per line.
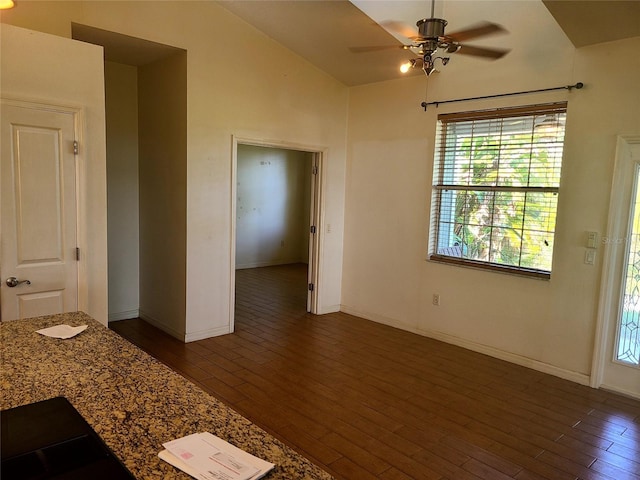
<point x="134" y="402"/>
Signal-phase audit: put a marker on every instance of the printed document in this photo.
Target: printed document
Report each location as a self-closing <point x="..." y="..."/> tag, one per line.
<point x="207" y="457"/>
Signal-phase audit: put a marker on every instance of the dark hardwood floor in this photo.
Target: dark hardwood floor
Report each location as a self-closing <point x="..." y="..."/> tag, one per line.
<point x="364" y="400"/>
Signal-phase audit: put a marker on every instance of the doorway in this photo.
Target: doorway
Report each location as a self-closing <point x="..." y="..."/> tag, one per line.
<point x="276" y="207"/>
<point x="616" y="364"/>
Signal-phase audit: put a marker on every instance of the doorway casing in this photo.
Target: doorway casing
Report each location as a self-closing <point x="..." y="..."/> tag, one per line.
<point x="611" y="274"/>
<point x="315" y="242"/>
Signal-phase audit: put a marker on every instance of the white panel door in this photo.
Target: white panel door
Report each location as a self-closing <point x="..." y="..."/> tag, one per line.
<point x="38" y="227"/>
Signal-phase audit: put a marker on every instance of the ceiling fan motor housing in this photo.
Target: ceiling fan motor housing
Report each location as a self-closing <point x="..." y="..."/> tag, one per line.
<point x="431" y="28"/>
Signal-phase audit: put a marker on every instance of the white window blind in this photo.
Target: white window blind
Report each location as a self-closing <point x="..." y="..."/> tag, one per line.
<point x="496" y="185"/>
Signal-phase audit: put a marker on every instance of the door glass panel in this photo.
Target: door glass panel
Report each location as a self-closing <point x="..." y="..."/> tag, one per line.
<point x="628" y="335"/>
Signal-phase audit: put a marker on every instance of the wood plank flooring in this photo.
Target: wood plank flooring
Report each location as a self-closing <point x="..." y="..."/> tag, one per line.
<point x="367" y="401"/>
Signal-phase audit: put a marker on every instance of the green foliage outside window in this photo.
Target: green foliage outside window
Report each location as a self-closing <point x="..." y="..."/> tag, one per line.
<point x="497" y="189"/>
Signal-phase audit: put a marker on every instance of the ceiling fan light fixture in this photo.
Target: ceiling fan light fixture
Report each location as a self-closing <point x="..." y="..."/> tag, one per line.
<point x="431" y="43"/>
<point x="406" y="66"/>
<point x="413" y="63"/>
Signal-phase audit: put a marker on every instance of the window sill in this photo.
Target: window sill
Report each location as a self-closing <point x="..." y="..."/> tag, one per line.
<point x="491" y="267"/>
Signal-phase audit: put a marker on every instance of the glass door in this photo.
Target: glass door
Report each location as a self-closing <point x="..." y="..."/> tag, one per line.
<point x="627" y="342"/>
<point x="616" y="363"/>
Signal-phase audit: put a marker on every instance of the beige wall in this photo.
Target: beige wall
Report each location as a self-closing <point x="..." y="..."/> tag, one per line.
<point x="272" y="206"/>
<point x="162" y="108"/>
<point x="239" y="82"/>
<point x="545" y="324"/>
<point x="121" y="93"/>
<point x="47" y="69"/>
<point x="548" y="325"/>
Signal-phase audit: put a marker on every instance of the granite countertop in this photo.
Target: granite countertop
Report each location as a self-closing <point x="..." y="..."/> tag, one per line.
<point x="134" y="402"/>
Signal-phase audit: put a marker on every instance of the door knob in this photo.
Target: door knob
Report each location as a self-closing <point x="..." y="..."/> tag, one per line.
<point x="14" y="282"/>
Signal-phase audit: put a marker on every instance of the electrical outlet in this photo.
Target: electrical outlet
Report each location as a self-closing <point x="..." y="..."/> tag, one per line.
<point x="436" y="299"/>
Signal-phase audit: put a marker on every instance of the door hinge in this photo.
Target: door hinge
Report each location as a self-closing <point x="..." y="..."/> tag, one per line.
<point x="313" y="229"/>
<point x="77" y="254"/>
<point x="314" y="171"/>
<point x="76" y="147"/>
<point x="311" y="287"/>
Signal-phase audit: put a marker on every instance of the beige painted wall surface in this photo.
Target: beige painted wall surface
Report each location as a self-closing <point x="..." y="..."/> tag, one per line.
<point x="277" y="96"/>
<point x="272" y="206"/>
<point x="255" y="89"/>
<point x="162" y="124"/>
<point x="121" y="85"/>
<point x="545" y="324"/>
<point x="74" y="78"/>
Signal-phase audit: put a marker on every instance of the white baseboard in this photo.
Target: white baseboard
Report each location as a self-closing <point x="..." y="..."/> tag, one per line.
<point x="188" y="337"/>
<point x="509" y="357"/>
<point x="127" y="315"/>
<point x="477" y="347"/>
<point x="212" y="332"/>
<point x="156" y="323"/>
<point x="329" y="309"/>
<point x="620" y="391"/>
<point x="243" y="266"/>
<point x="380" y="319"/>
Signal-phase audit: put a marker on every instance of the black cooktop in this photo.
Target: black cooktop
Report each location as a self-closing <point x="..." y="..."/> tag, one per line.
<point x="51" y="440"/>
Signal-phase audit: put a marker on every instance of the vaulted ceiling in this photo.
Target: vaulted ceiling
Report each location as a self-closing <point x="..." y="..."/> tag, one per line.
<point x="325" y="31"/>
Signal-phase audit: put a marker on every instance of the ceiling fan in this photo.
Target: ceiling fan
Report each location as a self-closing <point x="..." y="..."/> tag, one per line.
<point x="430" y="37"/>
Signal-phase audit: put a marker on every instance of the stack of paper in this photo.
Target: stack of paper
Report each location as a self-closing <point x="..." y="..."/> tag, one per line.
<point x="207" y="457"/>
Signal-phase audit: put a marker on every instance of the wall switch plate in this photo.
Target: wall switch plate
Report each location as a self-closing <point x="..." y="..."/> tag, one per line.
<point x="590" y="256"/>
<point x="592" y="239"/>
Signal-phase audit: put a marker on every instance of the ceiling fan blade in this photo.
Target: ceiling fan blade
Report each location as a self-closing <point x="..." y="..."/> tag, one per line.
<point x="401" y="28"/>
<point x="480" y="30"/>
<point x="492" y="53"/>
<point x="378" y="48"/>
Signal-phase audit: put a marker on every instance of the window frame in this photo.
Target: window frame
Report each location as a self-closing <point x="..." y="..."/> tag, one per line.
<point x="439" y="185"/>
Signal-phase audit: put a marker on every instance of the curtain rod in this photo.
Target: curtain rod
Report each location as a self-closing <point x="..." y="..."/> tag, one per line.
<point x="578" y="85"/>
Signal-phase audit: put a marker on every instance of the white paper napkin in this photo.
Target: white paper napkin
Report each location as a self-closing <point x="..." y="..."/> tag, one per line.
<point x="62" y="331"/>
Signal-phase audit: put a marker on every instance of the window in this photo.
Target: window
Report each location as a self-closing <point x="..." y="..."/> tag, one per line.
<point x="495" y="192"/>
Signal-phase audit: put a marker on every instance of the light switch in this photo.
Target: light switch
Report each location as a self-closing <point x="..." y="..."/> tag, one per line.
<point x="592" y="239"/>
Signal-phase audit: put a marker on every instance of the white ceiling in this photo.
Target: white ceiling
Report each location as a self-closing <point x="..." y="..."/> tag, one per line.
<point x="323" y="31"/>
<point x="591" y="22"/>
